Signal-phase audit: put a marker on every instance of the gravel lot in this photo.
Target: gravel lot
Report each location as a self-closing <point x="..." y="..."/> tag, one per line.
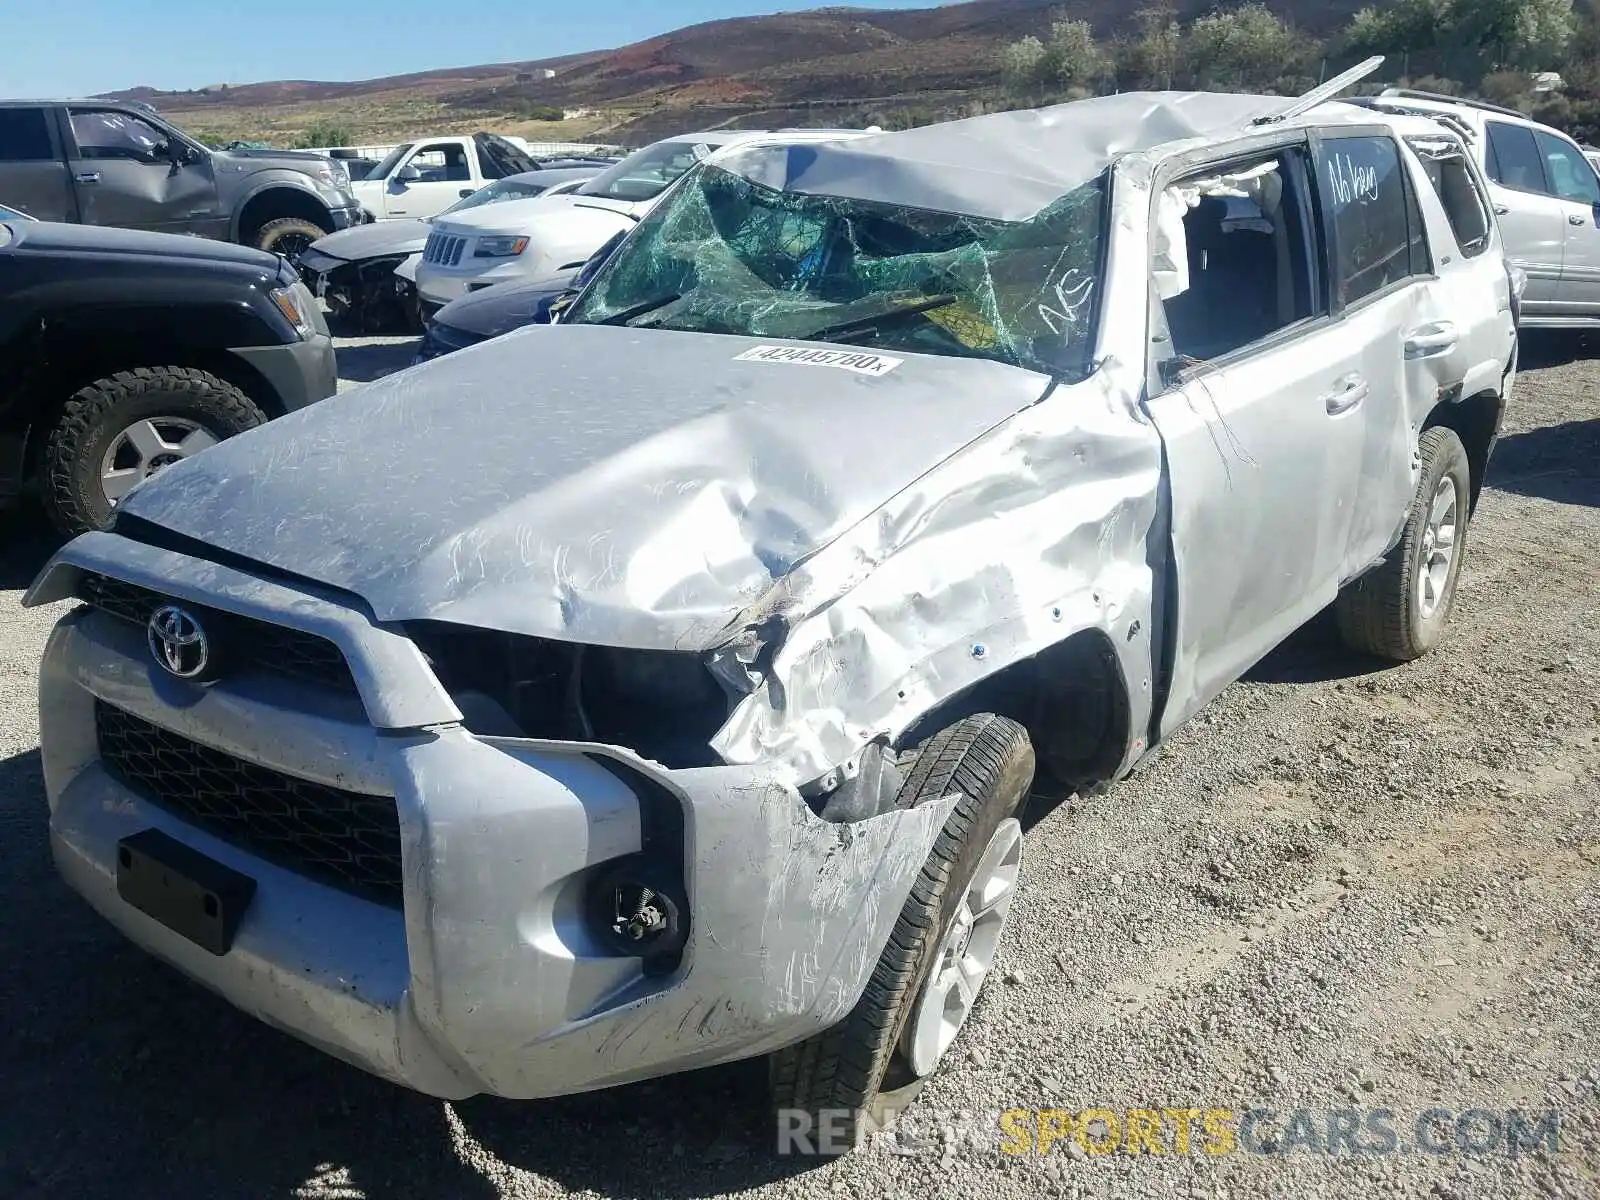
<point x="1342" y="886"/>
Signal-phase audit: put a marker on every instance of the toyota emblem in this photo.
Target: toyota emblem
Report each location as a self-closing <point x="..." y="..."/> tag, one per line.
<point x="178" y="642"/>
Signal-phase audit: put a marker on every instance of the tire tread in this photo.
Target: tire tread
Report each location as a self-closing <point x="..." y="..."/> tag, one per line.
<point x="842" y="1068"/>
<point x="84" y="412"/>
<point x="1376" y="613"/>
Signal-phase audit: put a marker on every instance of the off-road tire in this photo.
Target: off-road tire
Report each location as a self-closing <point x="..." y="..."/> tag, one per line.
<point x="95" y="415"/>
<point x="989" y="761"/>
<point x="1381" y="613"/>
<point x="273" y="232"/>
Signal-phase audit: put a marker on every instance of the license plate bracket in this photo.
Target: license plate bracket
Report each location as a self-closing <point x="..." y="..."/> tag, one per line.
<point x="192" y="895"/>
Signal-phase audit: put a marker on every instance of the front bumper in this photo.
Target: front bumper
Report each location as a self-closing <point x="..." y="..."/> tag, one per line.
<point x="344" y="218"/>
<point x="300" y="373"/>
<point x="485" y="979"/>
<point x="440" y="284"/>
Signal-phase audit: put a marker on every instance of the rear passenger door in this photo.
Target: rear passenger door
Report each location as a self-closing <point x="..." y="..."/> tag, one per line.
<point x="1572" y="180"/>
<point x="33" y="171"/>
<point x="1389" y="306"/>
<point x="1532" y="220"/>
<point x="1261" y="403"/>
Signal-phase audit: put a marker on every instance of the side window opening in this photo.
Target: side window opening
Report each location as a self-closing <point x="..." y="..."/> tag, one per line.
<point x="1571" y="177"/>
<point x="1514" y="158"/>
<point x="1233" y="262"/>
<point x="25" y="135"/>
<point x="1444" y="162"/>
<point x="108" y="134"/>
<point x="442" y="164"/>
<point x="1378" y="236"/>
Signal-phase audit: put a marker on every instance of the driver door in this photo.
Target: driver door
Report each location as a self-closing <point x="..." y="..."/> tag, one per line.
<point x="434" y="177"/>
<point x="124" y="173"/>
<point x="1263" y="427"/>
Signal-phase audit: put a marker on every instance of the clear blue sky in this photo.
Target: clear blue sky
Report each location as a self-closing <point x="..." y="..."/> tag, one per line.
<point x="78" y="47"/>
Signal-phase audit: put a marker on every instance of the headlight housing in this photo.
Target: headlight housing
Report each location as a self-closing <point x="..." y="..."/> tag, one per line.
<point x="335" y="174"/>
<point x="294" y="303"/>
<point x="500" y="247"/>
<point x="664" y="705"/>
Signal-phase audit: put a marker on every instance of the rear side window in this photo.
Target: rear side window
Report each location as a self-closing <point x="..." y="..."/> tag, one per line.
<point x="1460" y="195"/>
<point x="1378" y="236"/>
<point x="25" y="135"/>
<point x="1514" y="159"/>
<point x="1571" y="177"/>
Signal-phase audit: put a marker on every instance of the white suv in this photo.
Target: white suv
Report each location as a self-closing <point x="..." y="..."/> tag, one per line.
<point x="539" y="238"/>
<point x="1546" y="193"/>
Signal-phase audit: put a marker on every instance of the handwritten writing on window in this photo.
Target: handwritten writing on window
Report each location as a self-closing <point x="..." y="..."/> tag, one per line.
<point x="1350" y="181"/>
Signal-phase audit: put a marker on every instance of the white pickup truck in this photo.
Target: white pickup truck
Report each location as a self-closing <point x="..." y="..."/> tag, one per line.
<point x="425" y="177"/>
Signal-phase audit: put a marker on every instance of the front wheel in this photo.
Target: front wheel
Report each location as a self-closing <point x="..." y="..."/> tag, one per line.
<point x="288" y="236"/>
<point x="944" y="943"/>
<point x="118" y="431"/>
<point x="1399" y="609"/>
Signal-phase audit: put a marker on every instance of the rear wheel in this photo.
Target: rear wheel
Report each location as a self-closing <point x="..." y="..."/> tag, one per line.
<point x="288" y="236"/>
<point x="943" y="945"/>
<point x="119" y="431"/>
<point x="1399" y="609"/>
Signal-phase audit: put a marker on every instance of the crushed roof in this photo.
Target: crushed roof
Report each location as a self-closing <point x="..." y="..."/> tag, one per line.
<point x="1009" y="166"/>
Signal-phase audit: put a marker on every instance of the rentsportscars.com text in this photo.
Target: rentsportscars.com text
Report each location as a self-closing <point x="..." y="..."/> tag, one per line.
<point x="1182" y="1130"/>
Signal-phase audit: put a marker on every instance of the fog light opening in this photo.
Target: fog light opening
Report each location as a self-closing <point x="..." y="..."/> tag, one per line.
<point x="642" y="915"/>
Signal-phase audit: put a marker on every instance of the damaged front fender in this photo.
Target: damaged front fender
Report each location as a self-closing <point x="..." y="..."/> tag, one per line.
<point x="1038" y="530"/>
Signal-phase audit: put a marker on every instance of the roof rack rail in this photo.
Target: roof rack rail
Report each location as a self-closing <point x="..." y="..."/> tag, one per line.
<point x="1450" y="121"/>
<point x="1441" y="98"/>
<point x="1322" y="92"/>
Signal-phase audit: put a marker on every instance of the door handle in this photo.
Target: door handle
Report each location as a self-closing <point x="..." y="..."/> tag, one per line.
<point x="464" y="193"/>
<point x="1501" y="210"/>
<point x="87" y="176"/>
<point x="1347" y="393"/>
<point x="1577" y="219"/>
<point x="1437" y="337"/>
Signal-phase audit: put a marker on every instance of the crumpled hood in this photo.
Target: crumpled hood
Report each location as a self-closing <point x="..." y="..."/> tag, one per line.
<point x="377" y="240"/>
<point x="596" y="484"/>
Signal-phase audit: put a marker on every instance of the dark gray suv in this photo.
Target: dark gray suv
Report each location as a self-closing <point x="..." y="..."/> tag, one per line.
<point x="104" y="162"/>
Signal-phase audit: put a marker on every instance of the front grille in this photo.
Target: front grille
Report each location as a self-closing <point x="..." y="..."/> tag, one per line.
<point x="244" y="642"/>
<point x="444" y="249"/>
<point x="349" y="840"/>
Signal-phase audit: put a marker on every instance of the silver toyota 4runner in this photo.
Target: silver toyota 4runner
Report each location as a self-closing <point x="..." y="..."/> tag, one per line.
<point x="660" y="688"/>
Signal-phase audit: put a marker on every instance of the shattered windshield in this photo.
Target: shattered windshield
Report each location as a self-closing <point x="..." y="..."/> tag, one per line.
<point x="726" y="255"/>
<point x="647" y="173"/>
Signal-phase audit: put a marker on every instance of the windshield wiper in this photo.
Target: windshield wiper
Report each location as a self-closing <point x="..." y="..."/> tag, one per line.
<point x="833" y="333"/>
<point x="635" y="311"/>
